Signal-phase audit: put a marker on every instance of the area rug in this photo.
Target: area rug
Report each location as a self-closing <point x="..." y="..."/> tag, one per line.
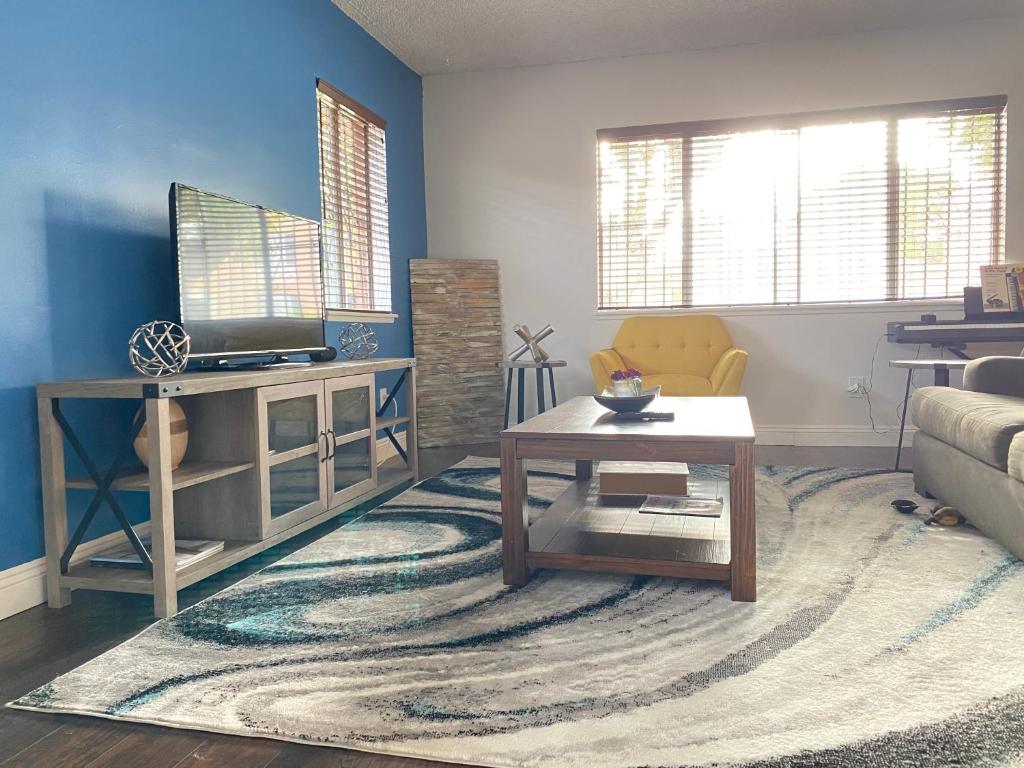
<point x="875" y="641"/>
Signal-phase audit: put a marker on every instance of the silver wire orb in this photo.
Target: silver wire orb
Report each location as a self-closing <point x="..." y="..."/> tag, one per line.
<point x="357" y="342"/>
<point x="159" y="348"/>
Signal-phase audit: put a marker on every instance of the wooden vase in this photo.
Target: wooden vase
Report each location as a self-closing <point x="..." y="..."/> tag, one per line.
<point x="179" y="437"/>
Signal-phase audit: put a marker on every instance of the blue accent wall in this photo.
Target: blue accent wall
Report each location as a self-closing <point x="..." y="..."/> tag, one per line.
<point x="103" y="103"/>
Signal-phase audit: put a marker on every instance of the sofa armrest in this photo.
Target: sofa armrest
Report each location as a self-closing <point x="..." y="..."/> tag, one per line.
<point x="602" y="364"/>
<point x="728" y="372"/>
<point x="996" y="375"/>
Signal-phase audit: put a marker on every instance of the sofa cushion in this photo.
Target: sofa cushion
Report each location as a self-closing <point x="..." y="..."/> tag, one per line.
<point x="979" y="424"/>
<point x="1015" y="458"/>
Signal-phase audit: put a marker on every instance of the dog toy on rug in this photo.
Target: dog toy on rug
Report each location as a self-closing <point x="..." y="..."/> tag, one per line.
<point x="948" y="516"/>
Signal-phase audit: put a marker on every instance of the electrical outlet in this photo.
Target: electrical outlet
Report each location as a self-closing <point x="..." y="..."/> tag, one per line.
<point x="382" y="395"/>
<point x="856" y="387"/>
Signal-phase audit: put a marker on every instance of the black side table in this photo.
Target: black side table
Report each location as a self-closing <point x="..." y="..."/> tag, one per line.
<point x="520" y="366"/>
<point x="940" y="369"/>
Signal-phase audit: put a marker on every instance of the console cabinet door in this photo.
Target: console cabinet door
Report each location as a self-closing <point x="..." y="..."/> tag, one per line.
<point x="293" y="451"/>
<point x="351" y="434"/>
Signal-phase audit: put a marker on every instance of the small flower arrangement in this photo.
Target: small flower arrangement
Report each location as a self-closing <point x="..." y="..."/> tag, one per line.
<point x="623" y="375"/>
<point x="626" y="383"/>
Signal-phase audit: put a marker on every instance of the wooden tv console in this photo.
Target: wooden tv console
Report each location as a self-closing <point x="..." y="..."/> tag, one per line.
<point x="271" y="453"/>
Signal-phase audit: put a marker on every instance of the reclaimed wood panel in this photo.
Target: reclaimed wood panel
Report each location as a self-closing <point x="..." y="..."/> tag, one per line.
<point x="457" y="336"/>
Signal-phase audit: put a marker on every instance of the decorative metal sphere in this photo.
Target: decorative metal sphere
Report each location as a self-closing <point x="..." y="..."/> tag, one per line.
<point x="357" y="342"/>
<point x="159" y="348"/>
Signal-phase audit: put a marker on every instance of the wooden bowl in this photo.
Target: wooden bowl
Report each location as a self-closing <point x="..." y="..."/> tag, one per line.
<point x="628" y="404"/>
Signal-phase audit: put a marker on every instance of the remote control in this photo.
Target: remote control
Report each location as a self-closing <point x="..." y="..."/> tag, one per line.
<point x="646" y="416"/>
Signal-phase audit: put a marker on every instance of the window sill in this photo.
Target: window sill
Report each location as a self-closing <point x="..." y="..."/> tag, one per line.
<point x="359" y="316"/>
<point x="919" y="306"/>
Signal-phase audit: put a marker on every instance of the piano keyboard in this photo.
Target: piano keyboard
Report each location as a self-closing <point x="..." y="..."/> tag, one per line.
<point x="954" y="332"/>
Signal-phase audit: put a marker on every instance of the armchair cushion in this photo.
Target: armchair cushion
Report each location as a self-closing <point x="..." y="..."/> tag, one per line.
<point x="728" y="373"/>
<point x="679" y="384"/>
<point x="690" y="344"/>
<point x="602" y="364"/>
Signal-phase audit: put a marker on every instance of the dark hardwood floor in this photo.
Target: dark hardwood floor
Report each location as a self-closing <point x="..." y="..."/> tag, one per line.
<point x="39" y="644"/>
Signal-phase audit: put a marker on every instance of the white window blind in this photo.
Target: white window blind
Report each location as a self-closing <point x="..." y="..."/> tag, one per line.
<point x="888" y="203"/>
<point x="354" y="197"/>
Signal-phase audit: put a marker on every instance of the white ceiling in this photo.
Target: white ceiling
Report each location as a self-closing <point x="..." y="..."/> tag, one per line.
<point x="436" y="36"/>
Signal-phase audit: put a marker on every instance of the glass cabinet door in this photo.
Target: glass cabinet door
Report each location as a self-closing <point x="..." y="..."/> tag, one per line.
<point x="352" y="463"/>
<point x="293" y="449"/>
<point x="293" y="423"/>
<point x="295" y="485"/>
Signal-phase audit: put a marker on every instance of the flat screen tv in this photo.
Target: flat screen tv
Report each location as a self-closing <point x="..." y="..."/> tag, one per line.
<point x="249" y="277"/>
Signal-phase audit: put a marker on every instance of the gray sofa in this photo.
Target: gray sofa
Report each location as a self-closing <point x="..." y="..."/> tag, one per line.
<point x="969" y="447"/>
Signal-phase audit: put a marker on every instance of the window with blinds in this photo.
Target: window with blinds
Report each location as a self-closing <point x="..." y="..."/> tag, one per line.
<point x="889" y="203"/>
<point x="354" y="198"/>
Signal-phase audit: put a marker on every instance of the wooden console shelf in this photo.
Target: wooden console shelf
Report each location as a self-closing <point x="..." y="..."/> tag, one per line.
<point x="270" y="454"/>
<point x="187" y="474"/>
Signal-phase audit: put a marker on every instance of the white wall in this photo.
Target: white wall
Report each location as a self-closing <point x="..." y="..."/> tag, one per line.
<point x="510" y="175"/>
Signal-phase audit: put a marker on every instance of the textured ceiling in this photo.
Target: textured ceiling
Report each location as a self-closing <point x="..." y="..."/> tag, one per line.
<point x="435" y="36"/>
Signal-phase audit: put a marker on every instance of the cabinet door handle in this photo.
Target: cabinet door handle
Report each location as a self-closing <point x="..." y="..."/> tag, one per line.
<point x="327" y="447"/>
<point x="332" y="444"/>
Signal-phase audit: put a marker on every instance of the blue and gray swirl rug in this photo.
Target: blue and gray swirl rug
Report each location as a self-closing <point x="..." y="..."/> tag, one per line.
<point x="876" y="641"/>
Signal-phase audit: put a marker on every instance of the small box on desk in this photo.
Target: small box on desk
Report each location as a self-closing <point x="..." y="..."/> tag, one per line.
<point x="641" y="478"/>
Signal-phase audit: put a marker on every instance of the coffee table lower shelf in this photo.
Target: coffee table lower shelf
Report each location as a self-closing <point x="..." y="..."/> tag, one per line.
<point x="676" y="569"/>
<point x="581" y="532"/>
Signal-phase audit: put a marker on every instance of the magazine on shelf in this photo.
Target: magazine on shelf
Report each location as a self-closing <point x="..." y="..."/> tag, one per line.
<point x="186" y="552"/>
<point x="696" y="506"/>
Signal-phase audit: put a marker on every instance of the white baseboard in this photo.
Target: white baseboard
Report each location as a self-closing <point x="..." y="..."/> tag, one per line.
<point x="832" y="435"/>
<point x="24" y="586"/>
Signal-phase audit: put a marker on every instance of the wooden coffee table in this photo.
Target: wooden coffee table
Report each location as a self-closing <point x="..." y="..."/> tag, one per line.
<point x="578" y="533"/>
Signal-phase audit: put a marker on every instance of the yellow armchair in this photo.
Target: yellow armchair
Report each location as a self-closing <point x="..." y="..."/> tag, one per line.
<point x="686" y="354"/>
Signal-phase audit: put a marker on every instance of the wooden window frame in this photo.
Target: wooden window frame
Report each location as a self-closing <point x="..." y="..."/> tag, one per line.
<point x="891" y="114"/>
<point x="346" y="314"/>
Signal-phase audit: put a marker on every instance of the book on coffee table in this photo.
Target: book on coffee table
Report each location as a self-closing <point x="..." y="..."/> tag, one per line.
<point x="697" y="506"/>
<point x="640" y="478"/>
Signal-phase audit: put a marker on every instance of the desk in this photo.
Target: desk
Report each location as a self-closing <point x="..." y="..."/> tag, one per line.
<point x="940" y="370"/>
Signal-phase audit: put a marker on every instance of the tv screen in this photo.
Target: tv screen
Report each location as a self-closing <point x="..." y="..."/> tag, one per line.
<point x="249" y="277"/>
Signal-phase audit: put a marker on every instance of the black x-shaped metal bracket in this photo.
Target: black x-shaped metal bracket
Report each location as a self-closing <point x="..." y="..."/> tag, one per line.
<point x="383" y="408"/>
<point x="103" y="485"/>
